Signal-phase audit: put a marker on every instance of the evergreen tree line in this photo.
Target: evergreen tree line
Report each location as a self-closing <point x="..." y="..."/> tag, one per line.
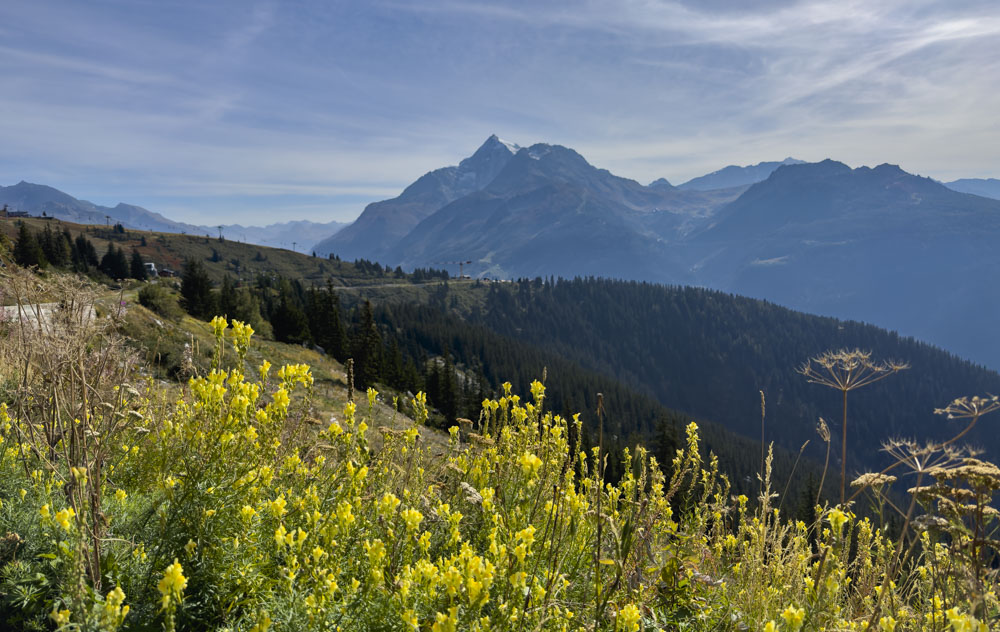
<point x="60" y="250"/>
<point x="709" y="354"/>
<point x="298" y="314"/>
<point x="631" y="417"/>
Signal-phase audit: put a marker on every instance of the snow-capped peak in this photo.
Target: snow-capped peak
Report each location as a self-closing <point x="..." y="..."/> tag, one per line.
<point x="513" y="147"/>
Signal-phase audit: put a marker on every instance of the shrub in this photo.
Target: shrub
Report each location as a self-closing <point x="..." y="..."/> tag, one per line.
<point x="159" y="299"/>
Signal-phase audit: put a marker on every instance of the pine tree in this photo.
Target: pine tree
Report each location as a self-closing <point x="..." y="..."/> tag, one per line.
<point x="119" y="264"/>
<point x="137" y="269"/>
<point x="27" y="251"/>
<point x="367" y="349"/>
<point x="325" y="322"/>
<point x="227" y="298"/>
<point x="196" y="290"/>
<point x="55" y="248"/>
<point x="288" y="320"/>
<point x="448" y="388"/>
<point x="108" y="261"/>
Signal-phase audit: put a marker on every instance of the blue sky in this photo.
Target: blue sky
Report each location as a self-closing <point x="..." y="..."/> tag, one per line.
<point x="253" y="112"/>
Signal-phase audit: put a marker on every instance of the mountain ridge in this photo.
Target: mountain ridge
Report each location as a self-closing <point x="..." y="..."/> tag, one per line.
<point x="735" y="175"/>
<point x="41" y="198"/>
<point x="868" y="243"/>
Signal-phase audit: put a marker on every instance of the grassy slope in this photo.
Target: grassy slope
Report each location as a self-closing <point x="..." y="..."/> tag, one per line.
<point x="169" y="250"/>
<point x="154" y="335"/>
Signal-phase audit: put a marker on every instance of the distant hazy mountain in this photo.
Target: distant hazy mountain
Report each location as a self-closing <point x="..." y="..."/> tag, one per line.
<point x="39" y="198"/>
<point x="734" y="176"/>
<point x="299" y="235"/>
<point x="382" y="224"/>
<point x="985" y="187"/>
<point x="879" y="245"/>
<point x="541" y="210"/>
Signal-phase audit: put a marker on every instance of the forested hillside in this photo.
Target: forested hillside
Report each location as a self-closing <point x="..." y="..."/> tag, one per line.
<point x="709" y="354"/>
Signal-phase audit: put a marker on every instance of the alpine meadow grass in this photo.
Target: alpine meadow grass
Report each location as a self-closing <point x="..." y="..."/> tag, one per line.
<point x="225" y="503"/>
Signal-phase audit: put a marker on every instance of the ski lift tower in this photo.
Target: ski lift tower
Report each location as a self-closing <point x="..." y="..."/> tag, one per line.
<point x="460" y="265"/>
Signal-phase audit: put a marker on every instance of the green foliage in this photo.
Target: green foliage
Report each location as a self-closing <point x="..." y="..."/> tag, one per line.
<point x="137" y="269"/>
<point x="114" y="263"/>
<point x="196" y="290"/>
<point x="366" y="349"/>
<point x="160" y="299"/>
<point x="709" y="354"/>
<point x="27" y="250"/>
<point x="239" y="304"/>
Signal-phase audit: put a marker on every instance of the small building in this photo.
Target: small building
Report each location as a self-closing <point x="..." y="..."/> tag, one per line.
<point x="151" y="270"/>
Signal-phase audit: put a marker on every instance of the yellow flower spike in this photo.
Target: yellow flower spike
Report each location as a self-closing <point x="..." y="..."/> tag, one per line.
<point x="218" y="325"/>
<point x="446" y="622"/>
<point x="887" y="624"/>
<point x="65" y="518"/>
<point x="837" y="520"/>
<point x="770" y="626"/>
<point x="628" y="618"/>
<point x="530" y="464"/>
<point x="793" y="617"/>
<point x="412" y="519"/>
<point x="410" y="620"/>
<point x="120" y="495"/>
<point x="279" y="535"/>
<point x="281" y="399"/>
<point x="172" y="585"/>
<point x="277" y="506"/>
<point x="61" y="617"/>
<point x="388" y="504"/>
<point x="537" y="391"/>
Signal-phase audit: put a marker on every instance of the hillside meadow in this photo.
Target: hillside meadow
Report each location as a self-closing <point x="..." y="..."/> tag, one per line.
<point x="248" y="496"/>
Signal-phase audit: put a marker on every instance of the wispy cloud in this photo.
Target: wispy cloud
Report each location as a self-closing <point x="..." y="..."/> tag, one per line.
<point x="314" y="103"/>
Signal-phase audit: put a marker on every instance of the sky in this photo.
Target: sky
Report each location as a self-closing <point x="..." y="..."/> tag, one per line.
<point x="258" y="112"/>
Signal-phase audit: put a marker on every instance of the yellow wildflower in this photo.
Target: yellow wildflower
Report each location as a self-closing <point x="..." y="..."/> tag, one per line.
<point x="628" y="618"/>
<point x="793" y="617"/>
<point x="61" y="617"/>
<point x="172" y="585"/>
<point x="837" y="519"/>
<point x="530" y="464"/>
<point x="411" y="518"/>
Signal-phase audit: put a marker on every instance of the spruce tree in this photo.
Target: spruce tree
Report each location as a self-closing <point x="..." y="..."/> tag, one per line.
<point x="108" y="261"/>
<point x="288" y="320"/>
<point x="366" y="348"/>
<point x="54" y="246"/>
<point x="196" y="290"/>
<point x="137" y="269"/>
<point x="27" y="251"/>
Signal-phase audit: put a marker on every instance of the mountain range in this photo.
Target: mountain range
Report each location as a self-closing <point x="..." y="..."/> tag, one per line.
<point x="736" y="176"/>
<point x="985" y="187"/>
<point x="39" y="198"/>
<point x="873" y="244"/>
